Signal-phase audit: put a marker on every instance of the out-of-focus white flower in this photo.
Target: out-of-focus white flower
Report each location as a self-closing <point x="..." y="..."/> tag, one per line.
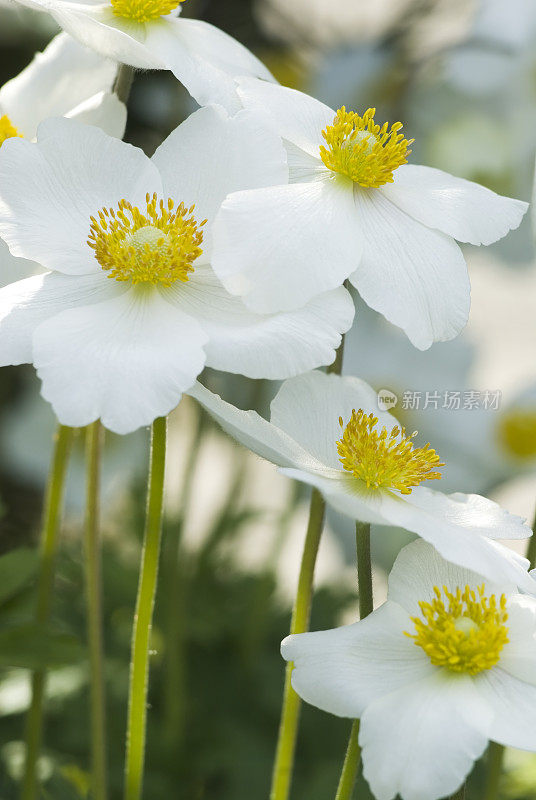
<point x="132" y="311"/>
<point x="327" y="431"/>
<point x="149" y="34"/>
<point x="354" y="209"/>
<point x="66" y="79"/>
<point x="446" y="664"/>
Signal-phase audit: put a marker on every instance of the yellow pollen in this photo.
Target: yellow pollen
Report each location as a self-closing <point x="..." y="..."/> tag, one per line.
<point x="517" y="433"/>
<point x="7" y="129"/>
<point x="464" y="632"/>
<point x="155" y="247"/>
<point x="362" y="150"/>
<point x="143" y="10"/>
<point x="383" y="459"/>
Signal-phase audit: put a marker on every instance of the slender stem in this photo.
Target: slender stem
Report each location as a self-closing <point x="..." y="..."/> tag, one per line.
<point x="288" y="728"/>
<point x="49" y="539"/>
<point x="290" y="711"/>
<point x="352" y="759"/>
<point x="139" y="665"/>
<point x="494" y="767"/>
<point x="123" y="82"/>
<point x="94" y="441"/>
<point x="364" y="569"/>
<point x="531" y="547"/>
<point x="351" y="765"/>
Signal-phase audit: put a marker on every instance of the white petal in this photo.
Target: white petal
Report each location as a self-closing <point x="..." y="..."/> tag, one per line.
<point x="419" y="567"/>
<point x="49" y="190"/>
<point x="299" y="118"/>
<point x="308" y="409"/>
<point x="105" y="111"/>
<point x="27" y="303"/>
<point x="343" y="670"/>
<point x="15" y="269"/>
<point x="212" y="154"/>
<point x="513" y="703"/>
<point x="126" y="361"/>
<point x="518" y="656"/>
<point x="96" y="27"/>
<point x="458" y="529"/>
<point x="205" y="59"/>
<point x="342" y="493"/>
<point x="253" y="431"/>
<point x="421" y="741"/>
<point x="279" y="247"/>
<point x="263" y="346"/>
<point x="460" y="208"/>
<point x="64" y="75"/>
<point x="414" y="276"/>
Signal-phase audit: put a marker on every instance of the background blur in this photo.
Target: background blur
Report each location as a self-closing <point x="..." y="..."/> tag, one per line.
<point x="461" y="76"/>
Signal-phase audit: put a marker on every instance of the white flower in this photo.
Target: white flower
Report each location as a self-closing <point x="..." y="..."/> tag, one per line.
<point x="131" y="311"/>
<point x="431" y="683"/>
<point x="149" y="34"/>
<point x="66" y="79"/>
<point x="355" y="210"/>
<point x="327" y="431"/>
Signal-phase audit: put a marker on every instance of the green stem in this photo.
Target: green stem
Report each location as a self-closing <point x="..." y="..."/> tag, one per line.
<point x="352" y="759"/>
<point x="94" y="440"/>
<point x="288" y="728"/>
<point x="531" y="547"/>
<point x="494" y="767"/>
<point x="139" y="665"/>
<point x="49" y="540"/>
<point x="123" y="82"/>
<point x="351" y="765"/>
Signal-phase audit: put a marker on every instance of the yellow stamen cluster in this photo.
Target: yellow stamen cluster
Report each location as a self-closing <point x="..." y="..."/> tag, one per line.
<point x="7" y="129"/>
<point x="383" y="459"/>
<point x="143" y="10"/>
<point x="157" y="247"/>
<point x="362" y="150"/>
<point x="517" y="433"/>
<point x="464" y="632"/>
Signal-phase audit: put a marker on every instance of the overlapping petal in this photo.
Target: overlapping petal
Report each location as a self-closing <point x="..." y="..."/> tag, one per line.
<point x="279" y="247"/>
<point x="414" y="276"/>
<point x="120" y="360"/>
<point x="272" y="346"/>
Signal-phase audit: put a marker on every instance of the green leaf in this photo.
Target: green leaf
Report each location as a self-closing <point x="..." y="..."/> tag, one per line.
<point x="17" y="569"/>
<point x="36" y="647"/>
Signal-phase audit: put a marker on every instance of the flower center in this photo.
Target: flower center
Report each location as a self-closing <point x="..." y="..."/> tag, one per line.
<point x="363" y="151"/>
<point x="143" y="10"/>
<point x="383" y="459"/>
<point x="155" y="247"/>
<point x="7" y="129"/>
<point x="463" y="632"/>
<point x="517" y="433"/>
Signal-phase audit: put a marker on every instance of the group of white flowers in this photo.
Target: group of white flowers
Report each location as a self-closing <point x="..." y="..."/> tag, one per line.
<point x="232" y="247"/>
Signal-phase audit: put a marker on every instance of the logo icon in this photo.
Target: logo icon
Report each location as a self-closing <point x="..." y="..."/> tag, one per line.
<point x="386" y="399"/>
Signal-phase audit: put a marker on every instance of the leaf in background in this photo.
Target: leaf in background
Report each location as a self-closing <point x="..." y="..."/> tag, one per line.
<point x="17" y="569"/>
<point x="35" y="647"/>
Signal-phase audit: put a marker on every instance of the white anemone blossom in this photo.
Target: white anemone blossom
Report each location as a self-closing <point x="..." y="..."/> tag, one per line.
<point x="130" y="309"/>
<point x="150" y="34"/>
<point x="327" y="431"/>
<point x="355" y="210"/>
<point x="68" y="80"/>
<point x="446" y="664"/>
